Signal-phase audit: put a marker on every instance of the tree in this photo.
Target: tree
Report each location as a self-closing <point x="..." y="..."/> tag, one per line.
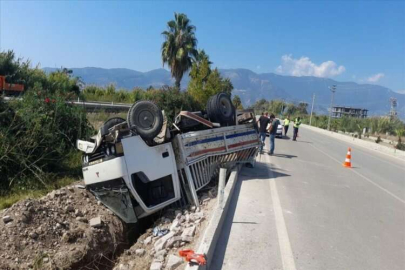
<point x="179" y="48"/>
<point x="237" y="102"/>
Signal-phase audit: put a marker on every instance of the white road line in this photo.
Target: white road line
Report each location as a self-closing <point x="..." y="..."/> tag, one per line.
<point x="362" y="176"/>
<point x="284" y="241"/>
<point x="372" y="151"/>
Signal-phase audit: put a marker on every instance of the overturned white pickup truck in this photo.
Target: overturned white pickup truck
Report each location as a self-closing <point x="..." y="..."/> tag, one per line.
<point x="139" y="166"/>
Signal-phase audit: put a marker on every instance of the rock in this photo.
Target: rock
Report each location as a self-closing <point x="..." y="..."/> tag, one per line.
<point x="33" y="235"/>
<point x="173" y="241"/>
<point x="69" y="208"/>
<point x="78" y="213"/>
<point x="186" y="239"/>
<point x="177" y="213"/>
<point x="58" y="226"/>
<point x="98" y="203"/>
<point x="188" y="218"/>
<point x="81" y="219"/>
<point x="162" y="253"/>
<point x="161" y="243"/>
<point x="156" y="266"/>
<point x="96" y="222"/>
<point x="189" y="231"/>
<point x="70" y="188"/>
<point x="140" y="252"/>
<point x="175" y="225"/>
<point x="198" y="215"/>
<point x="7" y="219"/>
<point x="173" y="262"/>
<point x="147" y="240"/>
<point x="45" y="260"/>
<point x="193" y="208"/>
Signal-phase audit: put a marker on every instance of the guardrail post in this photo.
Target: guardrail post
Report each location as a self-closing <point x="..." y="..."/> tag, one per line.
<point x="221" y="187"/>
<point x="192" y="187"/>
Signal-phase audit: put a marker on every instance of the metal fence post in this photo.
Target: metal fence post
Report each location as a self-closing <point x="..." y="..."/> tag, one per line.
<point x="221" y="186"/>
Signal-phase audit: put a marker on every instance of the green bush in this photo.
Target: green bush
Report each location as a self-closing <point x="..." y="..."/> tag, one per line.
<point x="37" y="134"/>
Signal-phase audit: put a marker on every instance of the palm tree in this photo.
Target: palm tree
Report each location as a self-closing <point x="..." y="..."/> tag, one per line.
<point x="179" y="48"/>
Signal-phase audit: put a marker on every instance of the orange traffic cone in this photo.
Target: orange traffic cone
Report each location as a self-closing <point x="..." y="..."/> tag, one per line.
<point x="348" y="163"/>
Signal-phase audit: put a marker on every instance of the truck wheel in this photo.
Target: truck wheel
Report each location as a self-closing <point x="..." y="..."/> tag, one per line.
<point x="147" y="119"/>
<point x="221" y="110"/>
<point x="110" y="123"/>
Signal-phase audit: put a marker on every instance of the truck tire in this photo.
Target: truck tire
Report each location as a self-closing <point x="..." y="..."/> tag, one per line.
<point x="221" y="110"/>
<point x="110" y="123"/>
<point x="146" y="118"/>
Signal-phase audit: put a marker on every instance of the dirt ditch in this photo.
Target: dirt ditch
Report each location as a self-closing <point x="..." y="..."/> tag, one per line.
<point x="69" y="229"/>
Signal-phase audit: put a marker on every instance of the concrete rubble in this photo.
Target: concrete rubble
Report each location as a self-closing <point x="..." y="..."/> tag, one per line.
<point x="68" y="229"/>
<point x="162" y="251"/>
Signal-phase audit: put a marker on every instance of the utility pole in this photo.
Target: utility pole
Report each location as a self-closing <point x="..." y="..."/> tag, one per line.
<point x="333" y="90"/>
<point x="312" y="108"/>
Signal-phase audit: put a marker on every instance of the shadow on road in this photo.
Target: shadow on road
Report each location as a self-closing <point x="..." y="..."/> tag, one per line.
<point x="284" y="156"/>
<point x="303" y="141"/>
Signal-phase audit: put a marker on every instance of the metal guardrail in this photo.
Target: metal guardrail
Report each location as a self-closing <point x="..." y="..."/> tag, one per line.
<point x="98" y="106"/>
<point x="92" y="106"/>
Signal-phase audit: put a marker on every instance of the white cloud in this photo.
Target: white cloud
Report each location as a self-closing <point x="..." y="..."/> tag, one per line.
<point x="375" y="78"/>
<point x="258" y="67"/>
<point x="401" y="91"/>
<point x="305" y="67"/>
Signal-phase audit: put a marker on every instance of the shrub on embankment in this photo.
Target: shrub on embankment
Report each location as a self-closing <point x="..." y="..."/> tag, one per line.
<point x="39" y="131"/>
<point x="377" y="126"/>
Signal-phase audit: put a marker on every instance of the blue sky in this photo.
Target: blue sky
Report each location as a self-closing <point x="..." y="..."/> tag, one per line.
<point x="357" y="41"/>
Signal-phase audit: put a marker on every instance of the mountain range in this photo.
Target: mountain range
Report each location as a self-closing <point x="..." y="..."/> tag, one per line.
<point x="251" y="87"/>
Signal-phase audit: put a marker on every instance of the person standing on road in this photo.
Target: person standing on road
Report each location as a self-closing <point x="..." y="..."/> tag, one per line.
<point x="297" y="123"/>
<point x="263" y="122"/>
<point x="286" y="125"/>
<point x="273" y="130"/>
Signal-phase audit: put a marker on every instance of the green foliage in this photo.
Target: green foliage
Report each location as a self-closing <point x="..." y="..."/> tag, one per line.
<point x="280" y="108"/>
<point x="179" y="47"/>
<point x="400" y="133"/>
<point x="237" y="102"/>
<point x="38" y="133"/>
<point x="205" y="82"/>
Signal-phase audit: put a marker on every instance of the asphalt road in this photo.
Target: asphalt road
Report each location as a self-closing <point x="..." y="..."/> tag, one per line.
<point x="301" y="209"/>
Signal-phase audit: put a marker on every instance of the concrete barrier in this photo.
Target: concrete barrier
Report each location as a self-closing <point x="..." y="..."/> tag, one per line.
<point x="211" y="235"/>
<point x="391" y="151"/>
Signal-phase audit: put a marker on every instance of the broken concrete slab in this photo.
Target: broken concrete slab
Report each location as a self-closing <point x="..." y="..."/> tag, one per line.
<point x="173" y="262"/>
<point x="156" y="266"/>
<point x="189" y="231"/>
<point x="148" y="240"/>
<point x="161" y="243"/>
<point x="140" y="252"/>
<point x="96" y="222"/>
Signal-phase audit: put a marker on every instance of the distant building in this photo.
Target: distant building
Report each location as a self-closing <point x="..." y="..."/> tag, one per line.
<point x="339" y="112"/>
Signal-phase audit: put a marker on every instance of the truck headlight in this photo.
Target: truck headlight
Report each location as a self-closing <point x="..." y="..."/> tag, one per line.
<point x="86" y="159"/>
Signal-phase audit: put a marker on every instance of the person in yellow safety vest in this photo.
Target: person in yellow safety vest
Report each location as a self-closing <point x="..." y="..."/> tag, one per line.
<point x="286" y="125"/>
<point x="297" y="123"/>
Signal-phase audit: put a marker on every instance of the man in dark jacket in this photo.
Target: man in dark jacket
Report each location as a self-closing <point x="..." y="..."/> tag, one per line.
<point x="263" y="122"/>
<point x="273" y="130"/>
